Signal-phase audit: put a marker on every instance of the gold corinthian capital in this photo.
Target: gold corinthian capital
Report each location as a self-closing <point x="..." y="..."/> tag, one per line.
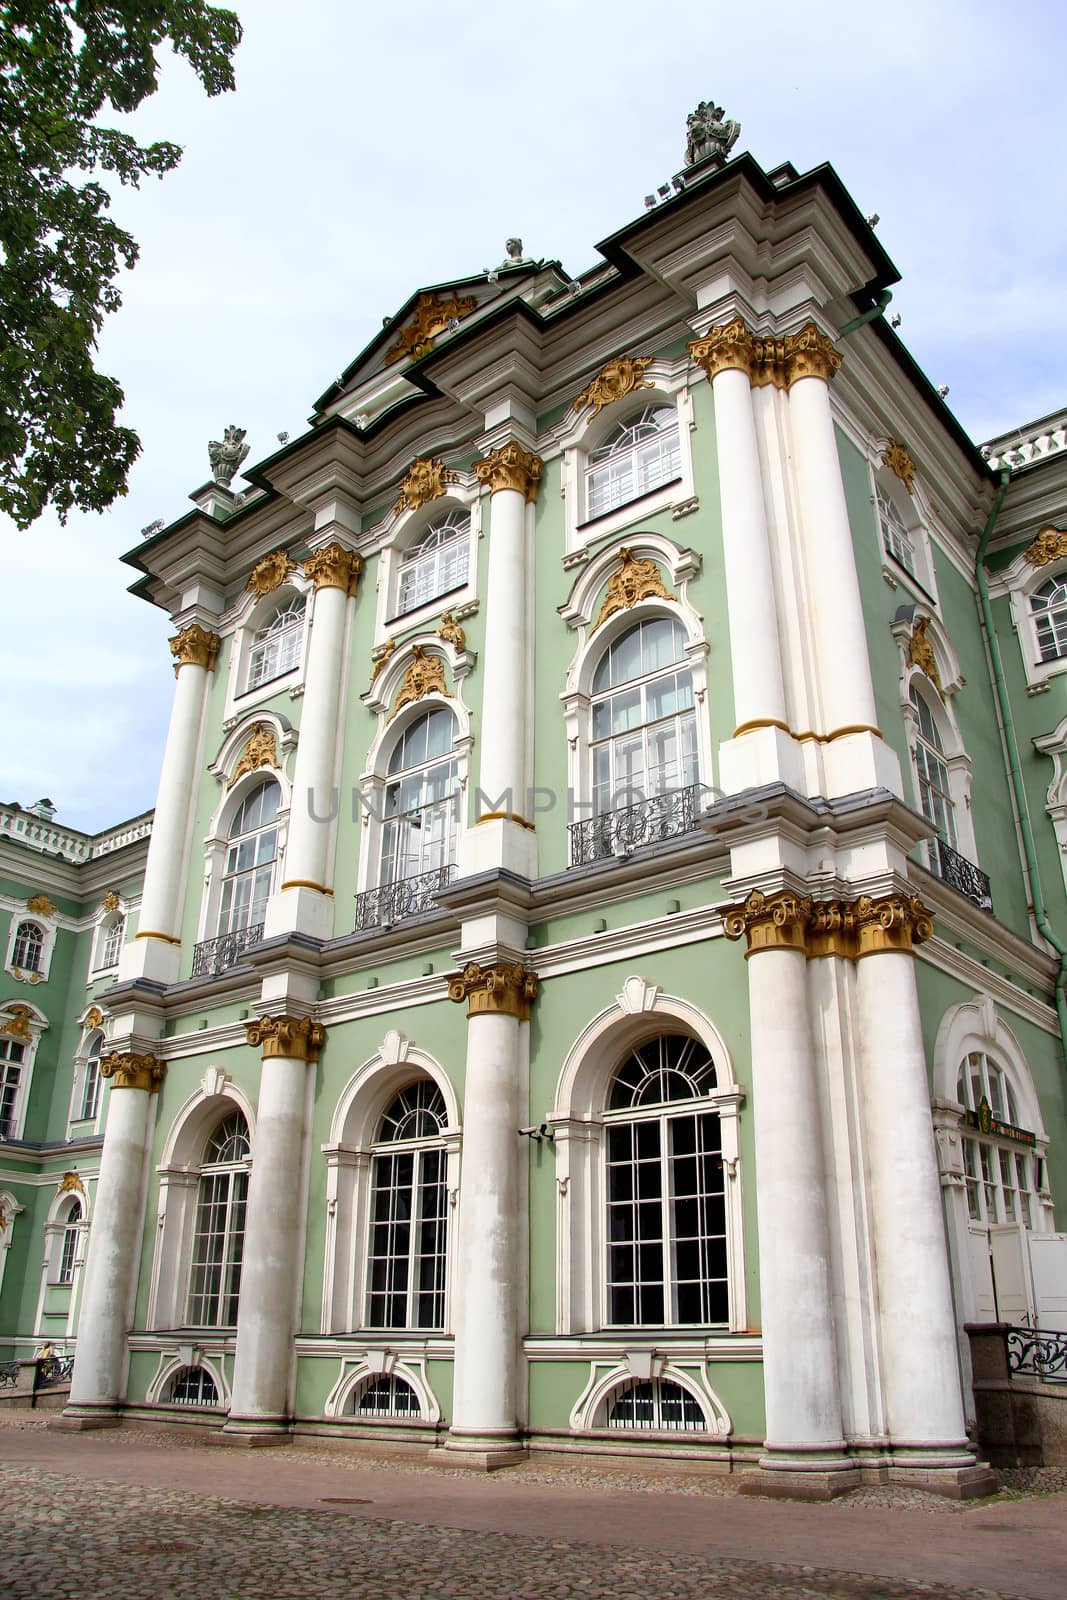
<point x="770" y="921"/>
<point x="511" y="467"/>
<point x="766" y="358"/>
<point x="128" y="1071"/>
<point x="730" y="347"/>
<point x="894" y="922"/>
<point x="334" y="568"/>
<point x="295" y="1038"/>
<point x="194" y="647"/>
<point x="508" y="990"/>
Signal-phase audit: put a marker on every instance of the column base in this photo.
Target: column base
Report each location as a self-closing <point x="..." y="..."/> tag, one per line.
<point x="81" y="1418"/>
<point x="250" y="1433"/>
<point x="480" y="1452"/>
<point x="949" y="1470"/>
<point x="817" y="1472"/>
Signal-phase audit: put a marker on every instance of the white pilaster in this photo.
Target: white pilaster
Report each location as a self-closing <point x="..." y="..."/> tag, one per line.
<point x="114" y="1241"/>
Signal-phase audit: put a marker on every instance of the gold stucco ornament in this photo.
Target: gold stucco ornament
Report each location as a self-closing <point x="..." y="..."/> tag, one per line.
<point x="194" y="646"/>
<point x="334" y="568"/>
<point x="451" y="632"/>
<point x="110" y="902"/>
<point x="293" y="1038"/>
<point x="1050" y="545"/>
<point x="17" y="1022"/>
<point x="921" y="653"/>
<point x="636" y="579"/>
<point x="427" y="480"/>
<point x="508" y="988"/>
<point x="261" y="750"/>
<point x="269" y="573"/>
<point x="381" y="660"/>
<point x="70" y="1183"/>
<point x="617" y="378"/>
<point x="430" y="317"/>
<point x="776" y="359"/>
<point x="425" y="675"/>
<point x="897" y="458"/>
<point x="511" y="467"/>
<point x="892" y="922"/>
<point x="40" y="905"/>
<point x="93" y="1017"/>
<point x="770" y="921"/>
<point x="127" y="1070"/>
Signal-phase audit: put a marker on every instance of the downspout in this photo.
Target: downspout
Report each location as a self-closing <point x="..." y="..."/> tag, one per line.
<point x="868" y="316"/>
<point x="1000" y="691"/>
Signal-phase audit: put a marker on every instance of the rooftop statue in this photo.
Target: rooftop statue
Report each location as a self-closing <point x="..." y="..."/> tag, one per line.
<point x="514" y="257"/>
<point x="226" y="457"/>
<point x="708" y="135"/>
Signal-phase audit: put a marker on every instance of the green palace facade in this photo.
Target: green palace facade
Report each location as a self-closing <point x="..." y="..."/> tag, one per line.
<point x="593" y="977"/>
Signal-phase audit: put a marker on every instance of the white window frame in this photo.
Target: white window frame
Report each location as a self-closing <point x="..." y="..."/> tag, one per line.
<point x="9" y="1210"/>
<point x="956" y="761"/>
<point x="242" y="623"/>
<point x="56" y="1229"/>
<point x="349" y="1155"/>
<point x="1054" y="745"/>
<point x="578" y="1121"/>
<point x="399" y="532"/>
<point x="36" y="1023"/>
<point x="93" y="1047"/>
<point x="172" y="1362"/>
<point x="590" y="1411"/>
<point x="376" y="1363"/>
<point x="579" y="435"/>
<point x="428" y="560"/>
<point x="911" y="515"/>
<point x="232" y="796"/>
<point x="418" y="1148"/>
<point x="231" y="1170"/>
<point x="48" y="929"/>
<point x="1039" y="674"/>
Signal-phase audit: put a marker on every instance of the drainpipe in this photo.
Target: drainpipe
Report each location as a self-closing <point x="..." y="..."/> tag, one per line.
<point x="1000" y="692"/>
<point x="868" y="316"/>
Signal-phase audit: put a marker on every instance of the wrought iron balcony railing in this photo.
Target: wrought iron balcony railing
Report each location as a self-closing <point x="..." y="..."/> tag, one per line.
<point x="212" y="956"/>
<point x="401" y="899"/>
<point x="1037" y="1353"/>
<point x="616" y="833"/>
<point x="960" y="873"/>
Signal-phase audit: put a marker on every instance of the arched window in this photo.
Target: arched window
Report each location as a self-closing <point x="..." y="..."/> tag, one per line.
<point x="218" y="1239"/>
<point x="654" y="1404"/>
<point x="1000" y="1168"/>
<point x="250" y="857"/>
<point x="419" y="828"/>
<point x="12" y="1057"/>
<point x="28" y="948"/>
<point x="932" y="771"/>
<point x="1048" y="606"/>
<point x="643" y="734"/>
<point x="896" y="540"/>
<point x="436" y="563"/>
<point x="191" y="1386"/>
<point x="90" y="1095"/>
<point x="384" y="1397"/>
<point x="111" y="945"/>
<point x="640" y="455"/>
<point x="68" y="1249"/>
<point x="276" y="646"/>
<point x="408" y="1246"/>
<point x="666" y="1209"/>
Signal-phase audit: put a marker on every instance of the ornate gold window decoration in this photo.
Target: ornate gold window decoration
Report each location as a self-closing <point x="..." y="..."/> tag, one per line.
<point x="261" y="750"/>
<point x="70" y="1183"/>
<point x="425" y="675"/>
<point x="431" y="317"/>
<point x="94" y="1018"/>
<point x="194" y="647"/>
<point x="921" y="653"/>
<point x="270" y="573"/>
<point x="451" y="632"/>
<point x="41" y="906"/>
<point x="897" y="458"/>
<point x="618" y="377"/>
<point x="427" y="480"/>
<point x="637" y="579"/>
<point x="1050" y="545"/>
<point x="110" y="902"/>
<point x="380" y="660"/>
<point x="16" y="1022"/>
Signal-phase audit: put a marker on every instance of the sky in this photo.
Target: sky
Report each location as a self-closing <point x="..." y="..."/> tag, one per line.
<point x="369" y="150"/>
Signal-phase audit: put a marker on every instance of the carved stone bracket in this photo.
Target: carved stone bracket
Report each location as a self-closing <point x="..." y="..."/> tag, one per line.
<point x="1050" y="545"/>
<point x="334" y="568"/>
<point x="897" y="458"/>
<point x="767" y="359"/>
<point x="426" y="675"/>
<point x="261" y="750"/>
<point x="194" y="647"/>
<point x="129" y="1071"/>
<point x="426" y="481"/>
<point x="295" y="1038"/>
<point x="508" y="989"/>
<point x="637" y="579"/>
<point x="894" y="922"/>
<point x="270" y="573"/>
<point x="617" y="378"/>
<point x="770" y="922"/>
<point x="511" y="467"/>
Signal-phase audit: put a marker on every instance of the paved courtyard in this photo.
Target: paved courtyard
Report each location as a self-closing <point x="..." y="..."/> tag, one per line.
<point x="138" y="1514"/>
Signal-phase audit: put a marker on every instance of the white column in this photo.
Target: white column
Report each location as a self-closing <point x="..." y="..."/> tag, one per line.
<point x="800" y="1372"/>
<point x="305" y="900"/>
<point x="921" y="1377"/>
<point x="154" y="950"/>
<point x="485" y="1295"/>
<point x="259" y="1402"/>
<point x="114" y="1240"/>
<point x="502" y="834"/>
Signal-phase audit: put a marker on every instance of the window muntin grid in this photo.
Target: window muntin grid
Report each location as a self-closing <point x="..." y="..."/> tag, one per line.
<point x="896" y="540"/>
<point x="276" y="647"/>
<point x="931" y="771"/>
<point x="420" y="828"/>
<point x="250" y="857"/>
<point x="655" y="1404"/>
<point x="218" y="1236"/>
<point x="1048" y="606"/>
<point x="90" y="1100"/>
<point x="12" y="1055"/>
<point x="1001" y="1180"/>
<point x="28" y="948"/>
<point x="666" y="1201"/>
<point x="68" y="1250"/>
<point x="436" y="563"/>
<point x="638" y="456"/>
<point x="407" y="1254"/>
<point x="112" y="942"/>
<point x="384" y="1397"/>
<point x="643" y="733"/>
<point x="192" y="1386"/>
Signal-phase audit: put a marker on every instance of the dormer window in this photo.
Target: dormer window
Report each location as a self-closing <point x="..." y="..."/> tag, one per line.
<point x="640" y="455"/>
<point x="276" y="646"/>
<point x="436" y="563"/>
